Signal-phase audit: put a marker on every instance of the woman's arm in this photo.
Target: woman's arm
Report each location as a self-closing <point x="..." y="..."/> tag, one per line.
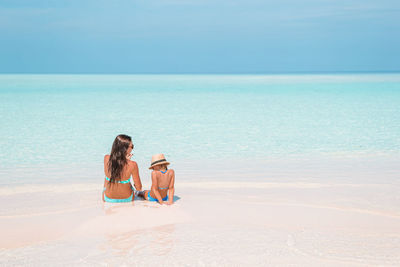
<point x="171" y="188"/>
<point x="103" y="191"/>
<point x="135" y="176"/>
<point x="106" y="158"/>
<point x="154" y="187"/>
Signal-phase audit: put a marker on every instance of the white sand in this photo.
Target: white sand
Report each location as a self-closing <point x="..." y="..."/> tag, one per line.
<point x="214" y="223"/>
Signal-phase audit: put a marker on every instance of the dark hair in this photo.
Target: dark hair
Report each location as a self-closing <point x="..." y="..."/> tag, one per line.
<point x="164" y="165"/>
<point x="118" y="159"/>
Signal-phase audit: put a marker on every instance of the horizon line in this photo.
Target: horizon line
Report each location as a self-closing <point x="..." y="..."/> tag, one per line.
<point x="202" y="73"/>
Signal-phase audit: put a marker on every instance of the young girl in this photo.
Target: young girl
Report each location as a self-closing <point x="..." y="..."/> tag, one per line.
<point x="163" y="179"/>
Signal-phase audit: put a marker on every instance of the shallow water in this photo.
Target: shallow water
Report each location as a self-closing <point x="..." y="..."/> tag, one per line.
<point x="69" y="119"/>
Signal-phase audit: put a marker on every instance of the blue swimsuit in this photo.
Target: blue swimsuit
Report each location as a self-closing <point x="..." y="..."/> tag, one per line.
<point x="149" y="198"/>
<point x="118" y="200"/>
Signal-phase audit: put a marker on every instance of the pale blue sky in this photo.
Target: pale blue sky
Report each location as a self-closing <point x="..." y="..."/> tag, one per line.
<point x="208" y="36"/>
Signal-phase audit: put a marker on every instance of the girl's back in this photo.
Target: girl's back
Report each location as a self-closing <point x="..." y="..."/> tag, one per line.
<point x="163" y="180"/>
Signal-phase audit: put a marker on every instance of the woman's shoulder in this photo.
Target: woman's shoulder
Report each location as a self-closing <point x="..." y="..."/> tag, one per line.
<point x="106" y="158"/>
<point x="132" y="163"/>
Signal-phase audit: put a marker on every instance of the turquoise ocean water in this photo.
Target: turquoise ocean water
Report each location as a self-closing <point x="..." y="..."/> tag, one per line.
<point x="62" y="120"/>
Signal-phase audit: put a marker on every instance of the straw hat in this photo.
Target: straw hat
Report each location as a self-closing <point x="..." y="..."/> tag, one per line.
<point x="158" y="159"/>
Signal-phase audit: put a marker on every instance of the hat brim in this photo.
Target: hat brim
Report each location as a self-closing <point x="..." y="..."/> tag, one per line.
<point x="160" y="163"/>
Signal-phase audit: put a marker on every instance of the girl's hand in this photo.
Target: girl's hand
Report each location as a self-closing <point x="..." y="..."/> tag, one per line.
<point x="129" y="156"/>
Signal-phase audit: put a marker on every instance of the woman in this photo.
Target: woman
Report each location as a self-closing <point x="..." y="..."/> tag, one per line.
<point x="162" y="182"/>
<point x="118" y="169"/>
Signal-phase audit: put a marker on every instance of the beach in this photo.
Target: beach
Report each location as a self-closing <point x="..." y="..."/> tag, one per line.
<point x="277" y="222"/>
<point x="271" y="170"/>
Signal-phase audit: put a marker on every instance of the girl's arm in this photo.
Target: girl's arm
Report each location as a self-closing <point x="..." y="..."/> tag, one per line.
<point x="171" y="189"/>
<point x="135" y="176"/>
<point x="154" y="187"/>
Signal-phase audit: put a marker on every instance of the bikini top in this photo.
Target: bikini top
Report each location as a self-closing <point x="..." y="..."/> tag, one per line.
<point x="120" y="182"/>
